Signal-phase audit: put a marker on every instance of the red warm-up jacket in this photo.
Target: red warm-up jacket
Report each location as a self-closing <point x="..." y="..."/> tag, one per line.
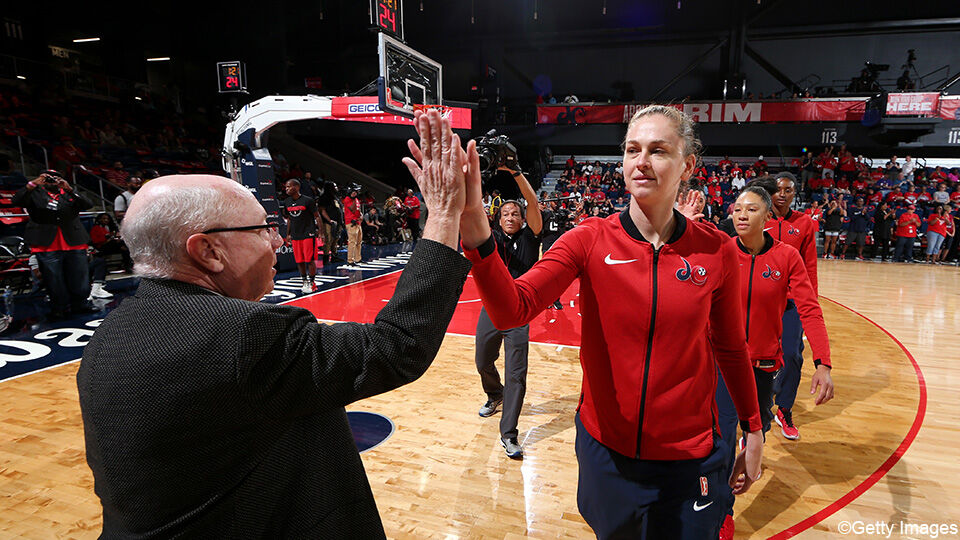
<point x="653" y="322"/>
<point x="766" y="281"/>
<point x="798" y="230"/>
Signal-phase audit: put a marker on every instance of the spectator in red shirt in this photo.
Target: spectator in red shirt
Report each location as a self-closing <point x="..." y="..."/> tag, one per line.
<point x="352" y="215"/>
<point x="906" y="234"/>
<point x="951" y="229"/>
<point x="760" y="166"/>
<point x="859" y="185"/>
<point x="413" y="213"/>
<point x="936" y="232"/>
<point x="65" y="155"/>
<point x="895" y="197"/>
<point x="117" y="175"/>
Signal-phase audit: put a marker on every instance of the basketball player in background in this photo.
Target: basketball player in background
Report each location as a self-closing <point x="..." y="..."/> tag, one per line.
<point x="645" y="422"/>
<point x="303" y="226"/>
<point x="798" y="230"/>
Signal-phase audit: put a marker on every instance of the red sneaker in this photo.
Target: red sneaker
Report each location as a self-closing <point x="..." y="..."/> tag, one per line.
<point x="784" y="419"/>
<point x="726" y="531"/>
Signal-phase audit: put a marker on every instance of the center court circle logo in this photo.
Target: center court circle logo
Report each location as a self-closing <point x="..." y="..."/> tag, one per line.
<point x="369" y="429"/>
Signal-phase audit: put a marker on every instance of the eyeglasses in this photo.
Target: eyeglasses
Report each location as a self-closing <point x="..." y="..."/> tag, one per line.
<point x="273" y="228"/>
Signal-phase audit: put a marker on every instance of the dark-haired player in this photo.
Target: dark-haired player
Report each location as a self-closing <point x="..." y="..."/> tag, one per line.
<point x="303" y="224"/>
<point x="798" y="230"/>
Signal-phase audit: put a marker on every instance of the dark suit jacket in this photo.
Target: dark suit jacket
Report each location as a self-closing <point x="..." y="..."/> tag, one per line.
<point x="211" y="417"/>
<point x="42" y="228"/>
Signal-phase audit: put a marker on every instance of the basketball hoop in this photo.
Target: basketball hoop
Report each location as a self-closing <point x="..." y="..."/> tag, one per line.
<point x="442" y="109"/>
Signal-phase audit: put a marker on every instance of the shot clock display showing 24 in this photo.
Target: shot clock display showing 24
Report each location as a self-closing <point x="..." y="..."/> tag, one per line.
<point x="387" y="15"/>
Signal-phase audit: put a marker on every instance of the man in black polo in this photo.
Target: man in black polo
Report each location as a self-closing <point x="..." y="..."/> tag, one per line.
<point x="518" y="244"/>
<point x="303" y="225"/>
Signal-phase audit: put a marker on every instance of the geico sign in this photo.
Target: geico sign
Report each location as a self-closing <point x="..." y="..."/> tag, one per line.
<point x="363" y="108"/>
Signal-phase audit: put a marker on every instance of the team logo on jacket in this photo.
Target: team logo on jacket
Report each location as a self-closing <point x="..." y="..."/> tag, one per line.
<point x="696" y="274"/>
<point x="793" y="230"/>
<point x="771" y="273"/>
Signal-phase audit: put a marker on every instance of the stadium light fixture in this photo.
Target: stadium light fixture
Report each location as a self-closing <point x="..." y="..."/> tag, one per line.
<point x="138" y="98"/>
<point x="21" y="77"/>
<point x="159" y="59"/>
<point x="86" y="40"/>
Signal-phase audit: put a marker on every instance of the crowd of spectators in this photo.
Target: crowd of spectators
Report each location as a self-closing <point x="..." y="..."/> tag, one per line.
<point x="889" y="209"/>
<point x="93" y="137"/>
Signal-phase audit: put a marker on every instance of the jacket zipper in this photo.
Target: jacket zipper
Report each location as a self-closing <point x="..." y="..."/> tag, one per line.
<point x="753" y="259"/>
<point x="646" y="366"/>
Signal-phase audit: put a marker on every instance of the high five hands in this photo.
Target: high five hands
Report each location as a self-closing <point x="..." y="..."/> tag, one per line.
<point x="451" y="173"/>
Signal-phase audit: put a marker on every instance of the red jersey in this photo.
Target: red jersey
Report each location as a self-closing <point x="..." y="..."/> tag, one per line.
<point x="876" y="176"/>
<point x="924" y="197"/>
<point x="351" y="210"/>
<point x="799" y="231"/>
<point x="955" y="196"/>
<point x="875" y="197"/>
<point x="860" y="184"/>
<point x="413" y="205"/>
<point x="894" y="197"/>
<point x="950" y="225"/>
<point x="649" y="361"/>
<point x="907" y="224"/>
<point x="910" y="197"/>
<point x="937" y="224"/>
<point x="766" y="281"/>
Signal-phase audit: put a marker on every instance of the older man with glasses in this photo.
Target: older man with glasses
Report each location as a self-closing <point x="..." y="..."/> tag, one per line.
<point x="210" y="415"/>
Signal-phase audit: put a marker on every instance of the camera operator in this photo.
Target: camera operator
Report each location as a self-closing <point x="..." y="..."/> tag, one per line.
<point x="59" y="241"/>
<point x="519" y="247"/>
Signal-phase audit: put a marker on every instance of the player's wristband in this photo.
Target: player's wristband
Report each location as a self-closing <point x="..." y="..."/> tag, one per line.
<point x="818" y="362"/>
<point x="517" y="174"/>
<point x="745" y="426"/>
<point x="487" y="248"/>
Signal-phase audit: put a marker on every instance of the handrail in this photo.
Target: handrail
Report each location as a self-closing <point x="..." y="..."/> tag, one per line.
<point x="81" y="214"/>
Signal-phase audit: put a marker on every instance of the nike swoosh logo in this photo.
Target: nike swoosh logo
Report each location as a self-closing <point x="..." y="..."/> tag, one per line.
<point x="697" y="507"/>
<point x="767" y="229"/>
<point x="610" y="260"/>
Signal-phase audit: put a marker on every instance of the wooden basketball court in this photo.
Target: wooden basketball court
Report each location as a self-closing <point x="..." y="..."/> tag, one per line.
<point x="884" y="450"/>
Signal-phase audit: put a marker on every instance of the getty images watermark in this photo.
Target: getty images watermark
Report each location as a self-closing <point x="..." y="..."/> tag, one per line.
<point x="901" y="528"/>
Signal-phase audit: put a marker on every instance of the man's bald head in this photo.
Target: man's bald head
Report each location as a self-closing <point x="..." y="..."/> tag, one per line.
<point x="167" y="210"/>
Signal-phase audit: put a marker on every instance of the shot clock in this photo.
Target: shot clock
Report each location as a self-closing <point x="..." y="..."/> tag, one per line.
<point x="231" y="77"/>
<point x="387" y="16"/>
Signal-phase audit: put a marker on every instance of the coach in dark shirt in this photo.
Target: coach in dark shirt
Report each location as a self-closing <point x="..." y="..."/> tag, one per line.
<point x="207" y="414"/>
<point x="518" y="244"/>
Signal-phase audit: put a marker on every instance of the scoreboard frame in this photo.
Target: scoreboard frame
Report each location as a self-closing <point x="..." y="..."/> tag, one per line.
<point x="224" y="77"/>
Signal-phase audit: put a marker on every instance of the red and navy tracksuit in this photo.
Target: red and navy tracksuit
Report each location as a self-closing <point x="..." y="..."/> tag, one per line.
<point x="768" y="281"/>
<point x="798" y="230"/>
<point x="655" y="323"/>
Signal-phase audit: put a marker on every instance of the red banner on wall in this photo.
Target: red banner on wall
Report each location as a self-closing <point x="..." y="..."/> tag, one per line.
<point x="814" y="110"/>
<point x="950" y="107"/>
<point x="367" y="109"/>
<point x="913" y="104"/>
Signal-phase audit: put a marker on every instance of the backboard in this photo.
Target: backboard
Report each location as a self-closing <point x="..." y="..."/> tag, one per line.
<point x="408" y="80"/>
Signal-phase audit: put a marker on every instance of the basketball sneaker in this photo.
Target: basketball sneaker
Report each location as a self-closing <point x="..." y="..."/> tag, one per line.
<point x="306" y="288"/>
<point x="727" y="529"/>
<point x="512" y="448"/>
<point x="489" y="407"/>
<point x="784" y="419"/>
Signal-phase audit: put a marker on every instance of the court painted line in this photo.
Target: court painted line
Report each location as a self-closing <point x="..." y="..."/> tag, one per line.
<point x="886" y="465"/>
